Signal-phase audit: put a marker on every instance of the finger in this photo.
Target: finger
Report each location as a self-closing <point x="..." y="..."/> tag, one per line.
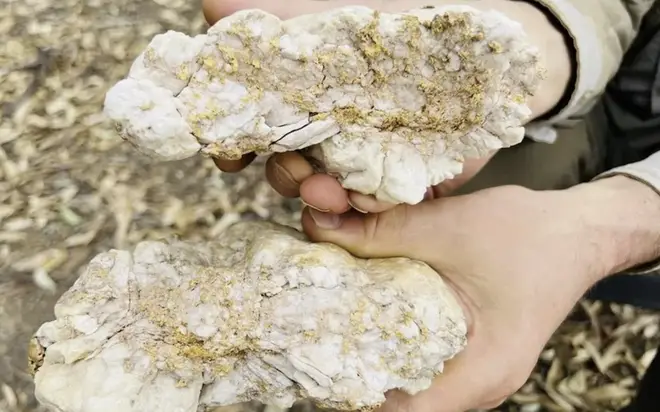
<point x="422" y="231"/>
<point x="370" y="235"/>
<point x="324" y="193"/>
<point x="286" y="171"/>
<point x="367" y="204"/>
<point x="214" y="10"/>
<point x="232" y="166"/>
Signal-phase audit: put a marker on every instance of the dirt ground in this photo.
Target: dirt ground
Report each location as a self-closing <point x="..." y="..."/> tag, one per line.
<point x="70" y="188"/>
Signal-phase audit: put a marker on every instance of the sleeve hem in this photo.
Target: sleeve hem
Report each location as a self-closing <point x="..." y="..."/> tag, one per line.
<point x="650" y="176"/>
<point x="589" y="68"/>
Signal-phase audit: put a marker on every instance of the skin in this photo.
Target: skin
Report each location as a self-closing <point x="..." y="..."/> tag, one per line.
<point x="525" y="257"/>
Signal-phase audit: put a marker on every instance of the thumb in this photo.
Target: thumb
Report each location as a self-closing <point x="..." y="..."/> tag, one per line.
<point x="404" y="230"/>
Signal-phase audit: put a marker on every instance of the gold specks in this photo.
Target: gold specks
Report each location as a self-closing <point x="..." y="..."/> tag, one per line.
<point x="495" y="47"/>
<point x="222" y="369"/>
<point x="254" y="94"/>
<point x="150" y="56"/>
<point x="424" y="333"/>
<point x="196" y="120"/>
<point x="444" y="22"/>
<point x="229" y="56"/>
<point x="208" y="63"/>
<point x="197" y="352"/>
<point x="311" y="336"/>
<point x="478" y="36"/>
<point x="183" y="72"/>
<point x="324" y="58"/>
<point x="370" y="39"/>
<point x="428" y="87"/>
<point x="385" y="334"/>
<point x="319" y="116"/>
<point x="464" y="54"/>
<point x="412" y="30"/>
<point x="403" y="339"/>
<point x="243" y="32"/>
<point x="36" y="354"/>
<point x="438" y="62"/>
<point x="349" y="115"/>
<point x="297" y="99"/>
<point x="308" y="260"/>
<point x="357" y="325"/>
<point x="147" y="106"/>
<point x="128" y="366"/>
<point x="407" y="317"/>
<point x="274" y="43"/>
<point x="346" y="346"/>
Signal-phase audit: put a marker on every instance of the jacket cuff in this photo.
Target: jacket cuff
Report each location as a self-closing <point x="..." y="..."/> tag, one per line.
<point x="646" y="171"/>
<point x="590" y="74"/>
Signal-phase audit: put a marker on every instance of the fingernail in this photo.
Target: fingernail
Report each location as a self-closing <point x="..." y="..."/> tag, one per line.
<point x="325" y="220"/>
<point x="355" y="207"/>
<point x="314" y="207"/>
<point x="281" y="173"/>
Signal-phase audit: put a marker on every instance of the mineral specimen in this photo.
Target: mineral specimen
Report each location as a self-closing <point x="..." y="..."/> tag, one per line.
<point x="390" y="104"/>
<point x="260" y="314"/>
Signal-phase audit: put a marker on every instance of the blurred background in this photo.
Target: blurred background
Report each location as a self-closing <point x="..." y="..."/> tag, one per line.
<point x="70" y="188"/>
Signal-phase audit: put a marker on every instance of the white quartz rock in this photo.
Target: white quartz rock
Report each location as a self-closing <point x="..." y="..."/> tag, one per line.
<point x="260" y="314"/>
<point x="390" y="104"/>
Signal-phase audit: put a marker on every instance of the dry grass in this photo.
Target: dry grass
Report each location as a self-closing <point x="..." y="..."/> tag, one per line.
<point x="70" y="188"/>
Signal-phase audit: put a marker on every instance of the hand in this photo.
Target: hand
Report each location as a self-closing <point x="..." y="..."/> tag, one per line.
<point x="290" y="174"/>
<point x="518" y="260"/>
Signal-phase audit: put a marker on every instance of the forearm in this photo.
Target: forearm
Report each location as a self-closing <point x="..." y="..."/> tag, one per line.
<point x="620" y="223"/>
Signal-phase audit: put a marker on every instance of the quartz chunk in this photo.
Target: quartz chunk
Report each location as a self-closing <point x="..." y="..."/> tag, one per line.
<point x="390" y="104"/>
<point x="259" y="314"/>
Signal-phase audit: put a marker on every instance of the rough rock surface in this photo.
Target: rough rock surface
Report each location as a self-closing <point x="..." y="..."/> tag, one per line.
<point x="260" y="314"/>
<point x="389" y="103"/>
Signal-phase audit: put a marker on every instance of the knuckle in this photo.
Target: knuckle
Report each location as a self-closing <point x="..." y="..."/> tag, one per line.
<point x="383" y="232"/>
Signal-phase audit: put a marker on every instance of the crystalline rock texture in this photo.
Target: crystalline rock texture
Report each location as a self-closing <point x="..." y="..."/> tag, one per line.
<point x="261" y="314"/>
<point x="390" y="104"/>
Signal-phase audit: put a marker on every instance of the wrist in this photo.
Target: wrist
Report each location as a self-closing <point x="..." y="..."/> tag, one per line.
<point x="620" y="223"/>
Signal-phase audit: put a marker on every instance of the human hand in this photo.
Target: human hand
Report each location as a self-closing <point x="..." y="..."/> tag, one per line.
<point x="518" y="260"/>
